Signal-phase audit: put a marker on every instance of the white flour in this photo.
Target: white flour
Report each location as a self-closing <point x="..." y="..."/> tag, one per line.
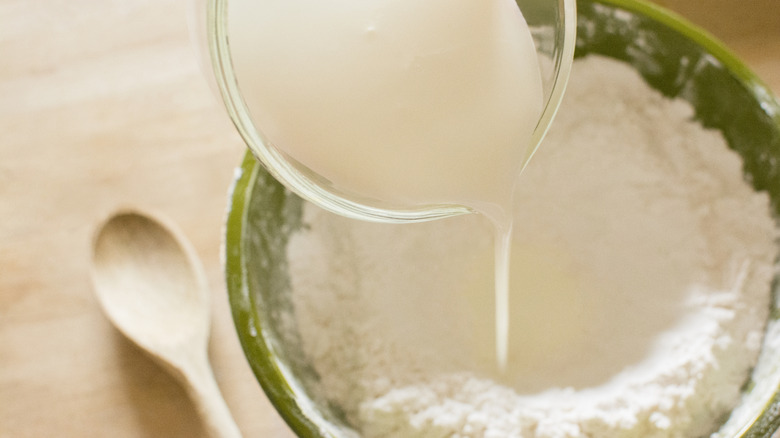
<point x="640" y="288"/>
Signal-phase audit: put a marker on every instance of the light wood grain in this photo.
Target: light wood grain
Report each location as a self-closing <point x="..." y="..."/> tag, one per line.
<point x="102" y="105"/>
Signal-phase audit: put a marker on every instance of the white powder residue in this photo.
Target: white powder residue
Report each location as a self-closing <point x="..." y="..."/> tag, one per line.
<point x="641" y="271"/>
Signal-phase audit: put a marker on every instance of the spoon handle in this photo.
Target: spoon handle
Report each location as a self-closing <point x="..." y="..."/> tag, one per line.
<point x="205" y="393"/>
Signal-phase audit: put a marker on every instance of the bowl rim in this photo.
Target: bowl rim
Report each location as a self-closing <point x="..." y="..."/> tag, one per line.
<point x="260" y="356"/>
<point x="769" y="102"/>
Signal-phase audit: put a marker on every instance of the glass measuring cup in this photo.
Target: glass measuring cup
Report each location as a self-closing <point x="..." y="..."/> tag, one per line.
<point x="553" y="27"/>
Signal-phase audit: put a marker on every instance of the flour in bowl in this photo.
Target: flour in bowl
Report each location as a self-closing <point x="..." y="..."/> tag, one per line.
<point x="640" y="288"/>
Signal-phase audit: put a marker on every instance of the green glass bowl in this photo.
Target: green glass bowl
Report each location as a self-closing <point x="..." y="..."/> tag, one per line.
<point x="674" y="56"/>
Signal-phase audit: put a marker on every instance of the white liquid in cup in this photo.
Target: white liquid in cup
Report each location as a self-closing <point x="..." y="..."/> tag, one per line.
<point x="408" y="102"/>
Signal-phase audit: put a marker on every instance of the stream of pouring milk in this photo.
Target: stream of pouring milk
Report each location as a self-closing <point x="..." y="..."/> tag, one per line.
<point x="408" y="102"/>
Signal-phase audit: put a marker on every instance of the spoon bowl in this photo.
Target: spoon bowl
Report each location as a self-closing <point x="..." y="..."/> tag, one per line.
<point x="165" y="310"/>
<point x="152" y="287"/>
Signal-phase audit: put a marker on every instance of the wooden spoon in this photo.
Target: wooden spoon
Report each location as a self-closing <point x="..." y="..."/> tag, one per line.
<point x="152" y="286"/>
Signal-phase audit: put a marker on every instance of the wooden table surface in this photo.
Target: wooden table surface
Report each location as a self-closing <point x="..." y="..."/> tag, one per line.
<point x="102" y="105"/>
